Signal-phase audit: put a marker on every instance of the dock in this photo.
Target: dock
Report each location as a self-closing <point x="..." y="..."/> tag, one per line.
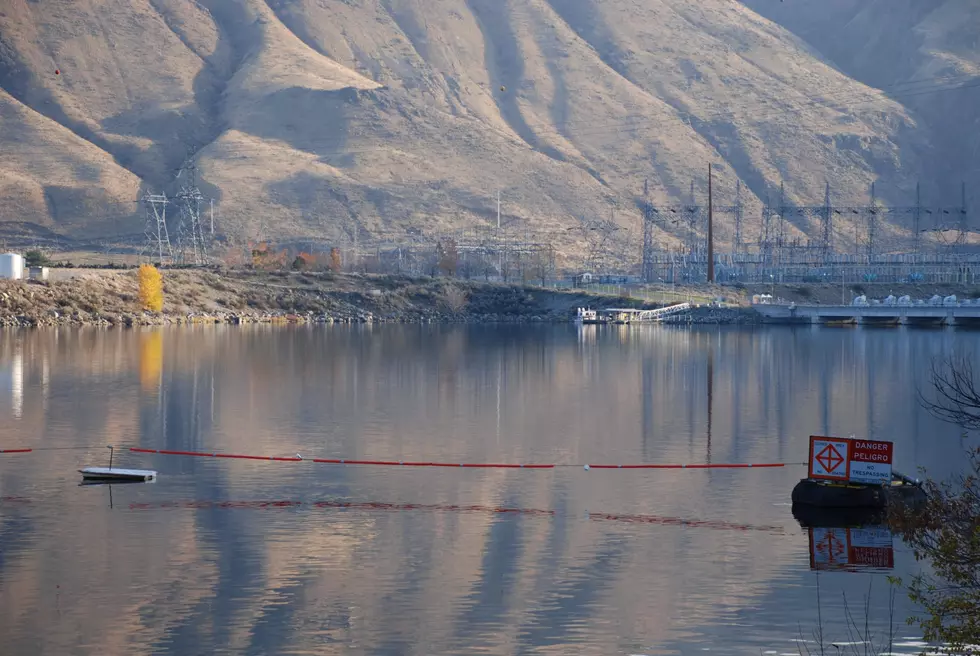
<point x="629" y="315"/>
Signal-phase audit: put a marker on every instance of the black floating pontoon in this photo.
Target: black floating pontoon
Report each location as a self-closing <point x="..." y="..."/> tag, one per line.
<point x="832" y="494"/>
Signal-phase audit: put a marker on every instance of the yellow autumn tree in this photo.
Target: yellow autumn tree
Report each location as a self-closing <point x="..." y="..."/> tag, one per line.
<point x="151" y="288"/>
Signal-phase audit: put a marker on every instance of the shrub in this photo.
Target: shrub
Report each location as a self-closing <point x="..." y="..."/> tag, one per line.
<point x="150" y="288"/>
<point x="35" y="257"/>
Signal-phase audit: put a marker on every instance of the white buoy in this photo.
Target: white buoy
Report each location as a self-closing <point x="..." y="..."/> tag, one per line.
<point x="586" y="468"/>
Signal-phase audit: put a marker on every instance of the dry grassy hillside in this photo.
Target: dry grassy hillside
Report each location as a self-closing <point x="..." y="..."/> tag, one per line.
<point x="922" y="53"/>
<point x="322" y="118"/>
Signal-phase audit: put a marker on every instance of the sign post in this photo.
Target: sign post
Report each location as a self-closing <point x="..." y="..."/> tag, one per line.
<point x="851" y="460"/>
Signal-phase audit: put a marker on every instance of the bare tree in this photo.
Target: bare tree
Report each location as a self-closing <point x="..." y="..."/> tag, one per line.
<point x="957" y="399"/>
<point x="946" y="531"/>
<point x="455" y="299"/>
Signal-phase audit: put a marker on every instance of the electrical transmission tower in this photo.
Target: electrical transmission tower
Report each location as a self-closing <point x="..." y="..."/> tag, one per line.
<point x="155" y="226"/>
<point x="191" y="233"/>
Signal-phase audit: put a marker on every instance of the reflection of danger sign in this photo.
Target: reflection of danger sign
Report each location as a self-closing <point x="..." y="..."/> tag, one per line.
<point x="847" y="459"/>
<point x="851" y="548"/>
<point x="828" y="548"/>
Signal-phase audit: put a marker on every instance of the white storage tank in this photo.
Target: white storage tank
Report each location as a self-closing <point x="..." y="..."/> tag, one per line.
<point x="11" y="266"/>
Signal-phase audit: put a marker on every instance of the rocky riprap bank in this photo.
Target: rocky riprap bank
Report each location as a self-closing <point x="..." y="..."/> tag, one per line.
<point x="86" y="297"/>
<point x="698" y="315"/>
<point x="150" y="319"/>
<point x="716" y="315"/>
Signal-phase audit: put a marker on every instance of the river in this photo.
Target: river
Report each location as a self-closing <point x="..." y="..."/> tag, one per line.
<point x="256" y="557"/>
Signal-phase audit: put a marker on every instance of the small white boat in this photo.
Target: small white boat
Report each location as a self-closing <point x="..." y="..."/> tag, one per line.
<point x="587" y="316"/>
<point x="116" y="474"/>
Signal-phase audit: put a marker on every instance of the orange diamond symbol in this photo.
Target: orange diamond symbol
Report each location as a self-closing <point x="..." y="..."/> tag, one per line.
<point x="831" y="547"/>
<point x="830" y="458"/>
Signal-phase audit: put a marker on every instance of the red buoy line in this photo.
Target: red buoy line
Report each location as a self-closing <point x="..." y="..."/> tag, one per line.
<point x="738" y="465"/>
<point x="465" y="465"/>
<point x="6" y="451"/>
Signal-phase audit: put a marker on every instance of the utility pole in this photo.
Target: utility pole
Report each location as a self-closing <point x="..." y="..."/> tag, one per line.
<point x="872" y="225"/>
<point x="828" y="224"/>
<point x="916" y="222"/>
<point x="737" y="210"/>
<point x="500" y="257"/>
<point x="964" y="222"/>
<point x="711" y="249"/>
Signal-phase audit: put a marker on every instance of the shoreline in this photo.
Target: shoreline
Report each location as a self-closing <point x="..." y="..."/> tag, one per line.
<point x="108" y="297"/>
<point x="697" y="316"/>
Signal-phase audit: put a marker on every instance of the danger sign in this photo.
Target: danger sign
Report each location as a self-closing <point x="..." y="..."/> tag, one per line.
<point x="829" y="457"/>
<point x="848" y="459"/>
<point x="871" y="462"/>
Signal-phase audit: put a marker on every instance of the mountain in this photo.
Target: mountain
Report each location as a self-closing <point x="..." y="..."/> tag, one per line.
<point x="372" y="117"/>
<point x="924" y="54"/>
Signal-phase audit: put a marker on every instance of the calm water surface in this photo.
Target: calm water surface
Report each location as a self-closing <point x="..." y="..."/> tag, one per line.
<point x="251" y="557"/>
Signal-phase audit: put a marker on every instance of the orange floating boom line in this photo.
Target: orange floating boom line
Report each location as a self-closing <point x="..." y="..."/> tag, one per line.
<point x="215" y="454"/>
<point x="400" y="463"/>
<point x="464" y="465"/>
<point x="704" y="466"/>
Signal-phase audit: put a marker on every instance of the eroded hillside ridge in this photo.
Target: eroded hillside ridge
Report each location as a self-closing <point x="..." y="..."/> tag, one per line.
<point x="313" y="119"/>
<point x="924" y="54"/>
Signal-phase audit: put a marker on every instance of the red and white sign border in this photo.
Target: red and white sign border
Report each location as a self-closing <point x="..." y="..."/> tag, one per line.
<point x="847" y="458"/>
<point x="849" y="444"/>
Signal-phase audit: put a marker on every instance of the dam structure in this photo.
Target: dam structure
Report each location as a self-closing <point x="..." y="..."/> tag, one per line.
<point x="937" y="311"/>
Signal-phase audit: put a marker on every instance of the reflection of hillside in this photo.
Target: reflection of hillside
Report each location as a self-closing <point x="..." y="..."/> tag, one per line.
<point x="412" y="582"/>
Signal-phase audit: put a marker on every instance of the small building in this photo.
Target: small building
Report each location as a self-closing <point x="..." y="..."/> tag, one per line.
<point x="11" y="266"/>
<point x="38" y="273"/>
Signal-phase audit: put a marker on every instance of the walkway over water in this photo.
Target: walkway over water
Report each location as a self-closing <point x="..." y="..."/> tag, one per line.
<point x="633" y="315"/>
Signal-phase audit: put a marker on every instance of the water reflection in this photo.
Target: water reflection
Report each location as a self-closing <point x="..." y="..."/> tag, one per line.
<point x="261" y="557"/>
<point x="847" y="539"/>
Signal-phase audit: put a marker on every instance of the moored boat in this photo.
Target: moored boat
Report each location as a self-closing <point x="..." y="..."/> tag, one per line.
<point x="832" y="494"/>
<point x="587" y="316"/>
